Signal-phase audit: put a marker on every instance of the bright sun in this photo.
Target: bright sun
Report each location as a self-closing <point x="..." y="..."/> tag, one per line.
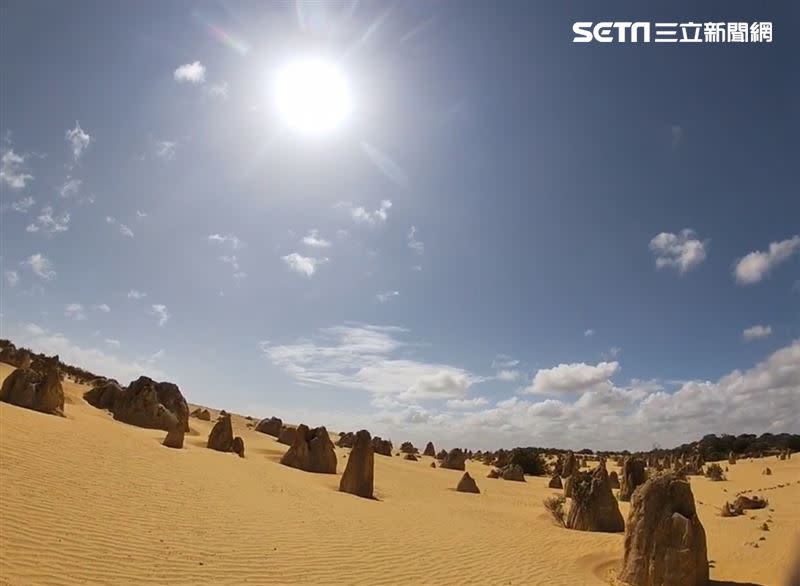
<point x="312" y="96"/>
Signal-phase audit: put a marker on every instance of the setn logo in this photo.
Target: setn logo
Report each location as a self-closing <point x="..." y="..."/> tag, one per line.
<point x="608" y="32"/>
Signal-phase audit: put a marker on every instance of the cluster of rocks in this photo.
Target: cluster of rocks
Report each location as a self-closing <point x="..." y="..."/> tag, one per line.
<point x="222" y="439"/>
<point x="144" y="403"/>
<point x="201" y="414"/>
<point x="408" y="448"/>
<point x="509" y="472"/>
<point x="271" y="426"/>
<point x="312" y="451"/>
<point x="37" y="387"/>
<point x="454" y="460"/>
<point x="429" y="450"/>
<point x="382" y="446"/>
<point x="785" y="454"/>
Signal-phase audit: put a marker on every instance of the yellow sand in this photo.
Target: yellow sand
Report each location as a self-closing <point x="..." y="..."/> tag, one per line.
<point x="88" y="500"/>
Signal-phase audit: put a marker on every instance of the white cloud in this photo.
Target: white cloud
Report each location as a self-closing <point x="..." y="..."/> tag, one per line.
<point x="313" y="239"/>
<point x="140" y="214"/>
<point x="23" y="204"/>
<point x="682" y="252"/>
<point x="123" y="229"/>
<point x="588" y="333"/>
<point x="12" y="278"/>
<point x="466" y="403"/>
<point x="165" y="149"/>
<point x="305" y="265"/>
<point x="78" y="140"/>
<point x="194" y="72"/>
<point x="572" y="378"/>
<point x="414" y="244"/>
<point x="161" y="312"/>
<point x="227" y="239"/>
<point x="416" y="268"/>
<point x="94" y="360"/>
<point x="134" y="294"/>
<point x="362" y="216"/>
<point x="218" y="90"/>
<point x="49" y="223"/>
<point x="74" y="311"/>
<point x="504" y="361"/>
<point x="112" y="342"/>
<point x="104" y="308"/>
<point x="757" y="333"/>
<point x="613" y="352"/>
<point x="762" y="398"/>
<point x="71" y="187"/>
<point x="366" y="357"/>
<point x="12" y="171"/>
<point x="757" y="265"/>
<point x="232" y="260"/>
<point x="509" y="375"/>
<point x="41" y="266"/>
<point x="386" y="296"/>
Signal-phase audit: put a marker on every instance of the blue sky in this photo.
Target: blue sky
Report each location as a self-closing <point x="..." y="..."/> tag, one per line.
<point x="512" y="239"/>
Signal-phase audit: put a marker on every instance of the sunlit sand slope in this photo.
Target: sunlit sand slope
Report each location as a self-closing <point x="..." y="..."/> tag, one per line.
<point x="88" y="500"/>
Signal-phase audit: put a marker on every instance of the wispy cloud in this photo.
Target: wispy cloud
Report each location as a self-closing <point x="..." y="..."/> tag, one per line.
<point x="165" y="149"/>
<point x="588" y="333"/>
<point x="683" y="251"/>
<point x="314" y="240"/>
<point x="194" y="73"/>
<point x="134" y="294"/>
<point x="78" y="141"/>
<point x="41" y="266"/>
<point x="12" y="278"/>
<point x="371" y="218"/>
<point x="103" y="308"/>
<point x="50" y="223"/>
<point x="757" y="332"/>
<point x="757" y="265"/>
<point x="366" y="357"/>
<point x="71" y="187"/>
<point x="160" y="311"/>
<point x="464" y="404"/>
<point x="226" y="239"/>
<point x="218" y="90"/>
<point x="23" y="204"/>
<point x="123" y="229"/>
<point x="12" y="169"/>
<point x="305" y="265"/>
<point x="74" y="311"/>
<point x="386" y="296"/>
<point x="414" y="244"/>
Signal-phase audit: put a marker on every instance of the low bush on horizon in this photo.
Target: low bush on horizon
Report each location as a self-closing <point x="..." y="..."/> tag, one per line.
<point x="530" y="460"/>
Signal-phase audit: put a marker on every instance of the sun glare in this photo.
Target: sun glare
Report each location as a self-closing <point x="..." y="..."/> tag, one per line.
<point x="312" y="96"/>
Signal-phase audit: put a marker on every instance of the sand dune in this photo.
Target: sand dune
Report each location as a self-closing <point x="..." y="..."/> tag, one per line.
<point x="86" y="499"/>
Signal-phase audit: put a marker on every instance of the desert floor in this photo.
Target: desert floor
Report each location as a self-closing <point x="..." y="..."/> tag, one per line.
<point x="88" y="500"/>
